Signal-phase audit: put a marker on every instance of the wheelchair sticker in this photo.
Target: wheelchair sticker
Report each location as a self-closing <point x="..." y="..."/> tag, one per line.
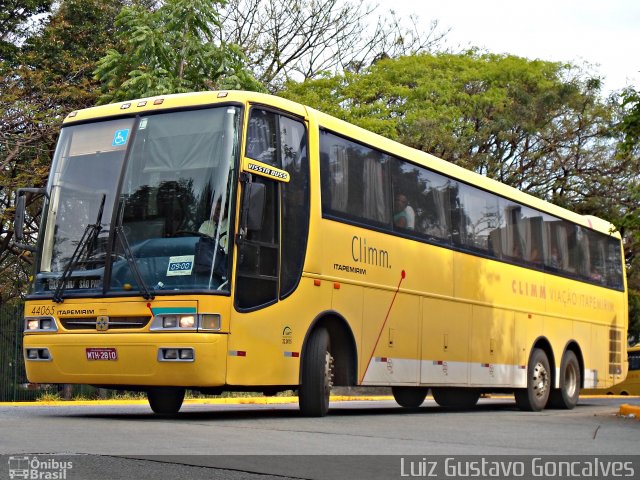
<point x="120" y="138"/>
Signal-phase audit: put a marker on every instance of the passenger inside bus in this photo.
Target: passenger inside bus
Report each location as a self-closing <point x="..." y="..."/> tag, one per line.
<point x="403" y="216"/>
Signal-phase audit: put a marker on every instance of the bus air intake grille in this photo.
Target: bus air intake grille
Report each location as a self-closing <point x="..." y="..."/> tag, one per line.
<point x="115" y="323"/>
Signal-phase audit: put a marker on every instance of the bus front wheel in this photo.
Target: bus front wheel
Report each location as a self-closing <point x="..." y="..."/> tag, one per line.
<point x="165" y="400"/>
<point x="566" y="397"/>
<point x="535" y="396"/>
<point x="317" y="375"/>
<point x="409" y="397"/>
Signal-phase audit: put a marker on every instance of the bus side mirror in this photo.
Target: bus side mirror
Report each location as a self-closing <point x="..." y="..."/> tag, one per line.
<point x="253" y="204"/>
<point x="18" y="221"/>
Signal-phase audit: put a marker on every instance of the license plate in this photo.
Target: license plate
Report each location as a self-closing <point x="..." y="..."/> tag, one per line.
<point x="102" y="354"/>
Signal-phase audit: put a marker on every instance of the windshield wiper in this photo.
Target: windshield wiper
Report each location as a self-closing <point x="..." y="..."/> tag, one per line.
<point x="89" y="236"/>
<point x="147" y="293"/>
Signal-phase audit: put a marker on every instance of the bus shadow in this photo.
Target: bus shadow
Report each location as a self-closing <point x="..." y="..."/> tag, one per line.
<point x="205" y="412"/>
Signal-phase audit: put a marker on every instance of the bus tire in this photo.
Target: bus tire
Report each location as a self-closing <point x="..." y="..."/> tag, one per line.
<point x="317" y="375"/>
<point x="165" y="400"/>
<point x="455" y="398"/>
<point x="566" y="397"/>
<point x="534" y="398"/>
<point x="409" y="397"/>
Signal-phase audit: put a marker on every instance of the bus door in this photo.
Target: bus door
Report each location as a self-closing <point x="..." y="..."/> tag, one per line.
<point x="271" y="244"/>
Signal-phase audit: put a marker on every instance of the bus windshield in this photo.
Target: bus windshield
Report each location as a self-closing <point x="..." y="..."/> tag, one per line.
<point x="141" y="205"/>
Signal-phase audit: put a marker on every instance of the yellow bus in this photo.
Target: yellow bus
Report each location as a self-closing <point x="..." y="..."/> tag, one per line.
<point x="236" y="241"/>
<point x="631" y="384"/>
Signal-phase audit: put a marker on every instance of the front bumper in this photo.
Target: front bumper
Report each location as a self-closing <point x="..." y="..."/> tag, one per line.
<point x="138" y="362"/>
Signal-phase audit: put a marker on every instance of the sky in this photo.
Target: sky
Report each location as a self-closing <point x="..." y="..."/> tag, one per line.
<point x="602" y="33"/>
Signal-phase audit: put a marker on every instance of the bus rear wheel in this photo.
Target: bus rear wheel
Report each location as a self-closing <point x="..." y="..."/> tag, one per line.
<point x="317" y="375"/>
<point x="535" y="396"/>
<point x="455" y="398"/>
<point x="409" y="397"/>
<point x="165" y="400"/>
<point x="566" y="397"/>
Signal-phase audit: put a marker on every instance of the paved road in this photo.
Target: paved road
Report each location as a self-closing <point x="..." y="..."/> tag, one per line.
<point x="249" y="441"/>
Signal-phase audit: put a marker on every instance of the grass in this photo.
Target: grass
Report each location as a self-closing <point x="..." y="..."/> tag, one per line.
<point x="86" y="393"/>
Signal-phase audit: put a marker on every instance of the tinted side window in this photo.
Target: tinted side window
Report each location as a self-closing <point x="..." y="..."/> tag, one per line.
<point x="258" y="254"/>
<point x="521" y="234"/>
<point x="295" y="202"/>
<point x="259" y="250"/>
<point x="478" y="216"/>
<point x="262" y="136"/>
<point x="424" y="195"/>
<point x="614" y="264"/>
<point x="355" y="181"/>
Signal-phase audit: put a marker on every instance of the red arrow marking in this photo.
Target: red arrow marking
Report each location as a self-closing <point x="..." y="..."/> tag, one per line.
<point x="386" y="318"/>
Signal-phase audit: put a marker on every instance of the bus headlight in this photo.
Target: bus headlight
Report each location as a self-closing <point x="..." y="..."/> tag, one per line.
<point x="40" y="324"/>
<point x="169" y="321"/>
<point x="187" y="321"/>
<point x="210" y="322"/>
<point x="174" y="322"/>
<point x="207" y="322"/>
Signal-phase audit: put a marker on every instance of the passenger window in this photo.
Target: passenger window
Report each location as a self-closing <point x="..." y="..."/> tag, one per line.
<point x="478" y="216"/>
<point x="355" y="181"/>
<point x="521" y="234"/>
<point x="406" y="190"/>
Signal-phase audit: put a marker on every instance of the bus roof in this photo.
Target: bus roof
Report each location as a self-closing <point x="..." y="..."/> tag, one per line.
<point x="195" y="99"/>
<point x="182" y="100"/>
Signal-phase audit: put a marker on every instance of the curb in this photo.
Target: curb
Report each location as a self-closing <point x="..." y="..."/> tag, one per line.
<point x="630" y="411"/>
<point x="190" y="401"/>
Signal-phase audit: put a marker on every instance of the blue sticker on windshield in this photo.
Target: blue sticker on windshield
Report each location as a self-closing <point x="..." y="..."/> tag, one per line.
<point x="120" y="137"/>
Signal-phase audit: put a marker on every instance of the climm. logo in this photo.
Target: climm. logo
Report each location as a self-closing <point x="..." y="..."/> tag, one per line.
<point x="528" y="289"/>
<point x="367" y="254"/>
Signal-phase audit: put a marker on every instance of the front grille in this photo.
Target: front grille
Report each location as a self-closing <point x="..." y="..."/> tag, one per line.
<point x="115" y="323"/>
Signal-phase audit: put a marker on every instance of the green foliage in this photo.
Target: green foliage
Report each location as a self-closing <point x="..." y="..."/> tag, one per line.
<point x="630" y="124"/>
<point x="542" y="127"/>
<point x="50" y="75"/>
<point x="170" y="50"/>
<point x="13" y="23"/>
<point x="532" y="124"/>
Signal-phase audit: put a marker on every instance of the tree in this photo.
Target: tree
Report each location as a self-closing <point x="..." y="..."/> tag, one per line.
<point x="629" y="146"/>
<point x="170" y="49"/>
<point x="300" y="39"/>
<point x="539" y="126"/>
<point x="15" y="16"/>
<point x="630" y="123"/>
<point x="49" y="76"/>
